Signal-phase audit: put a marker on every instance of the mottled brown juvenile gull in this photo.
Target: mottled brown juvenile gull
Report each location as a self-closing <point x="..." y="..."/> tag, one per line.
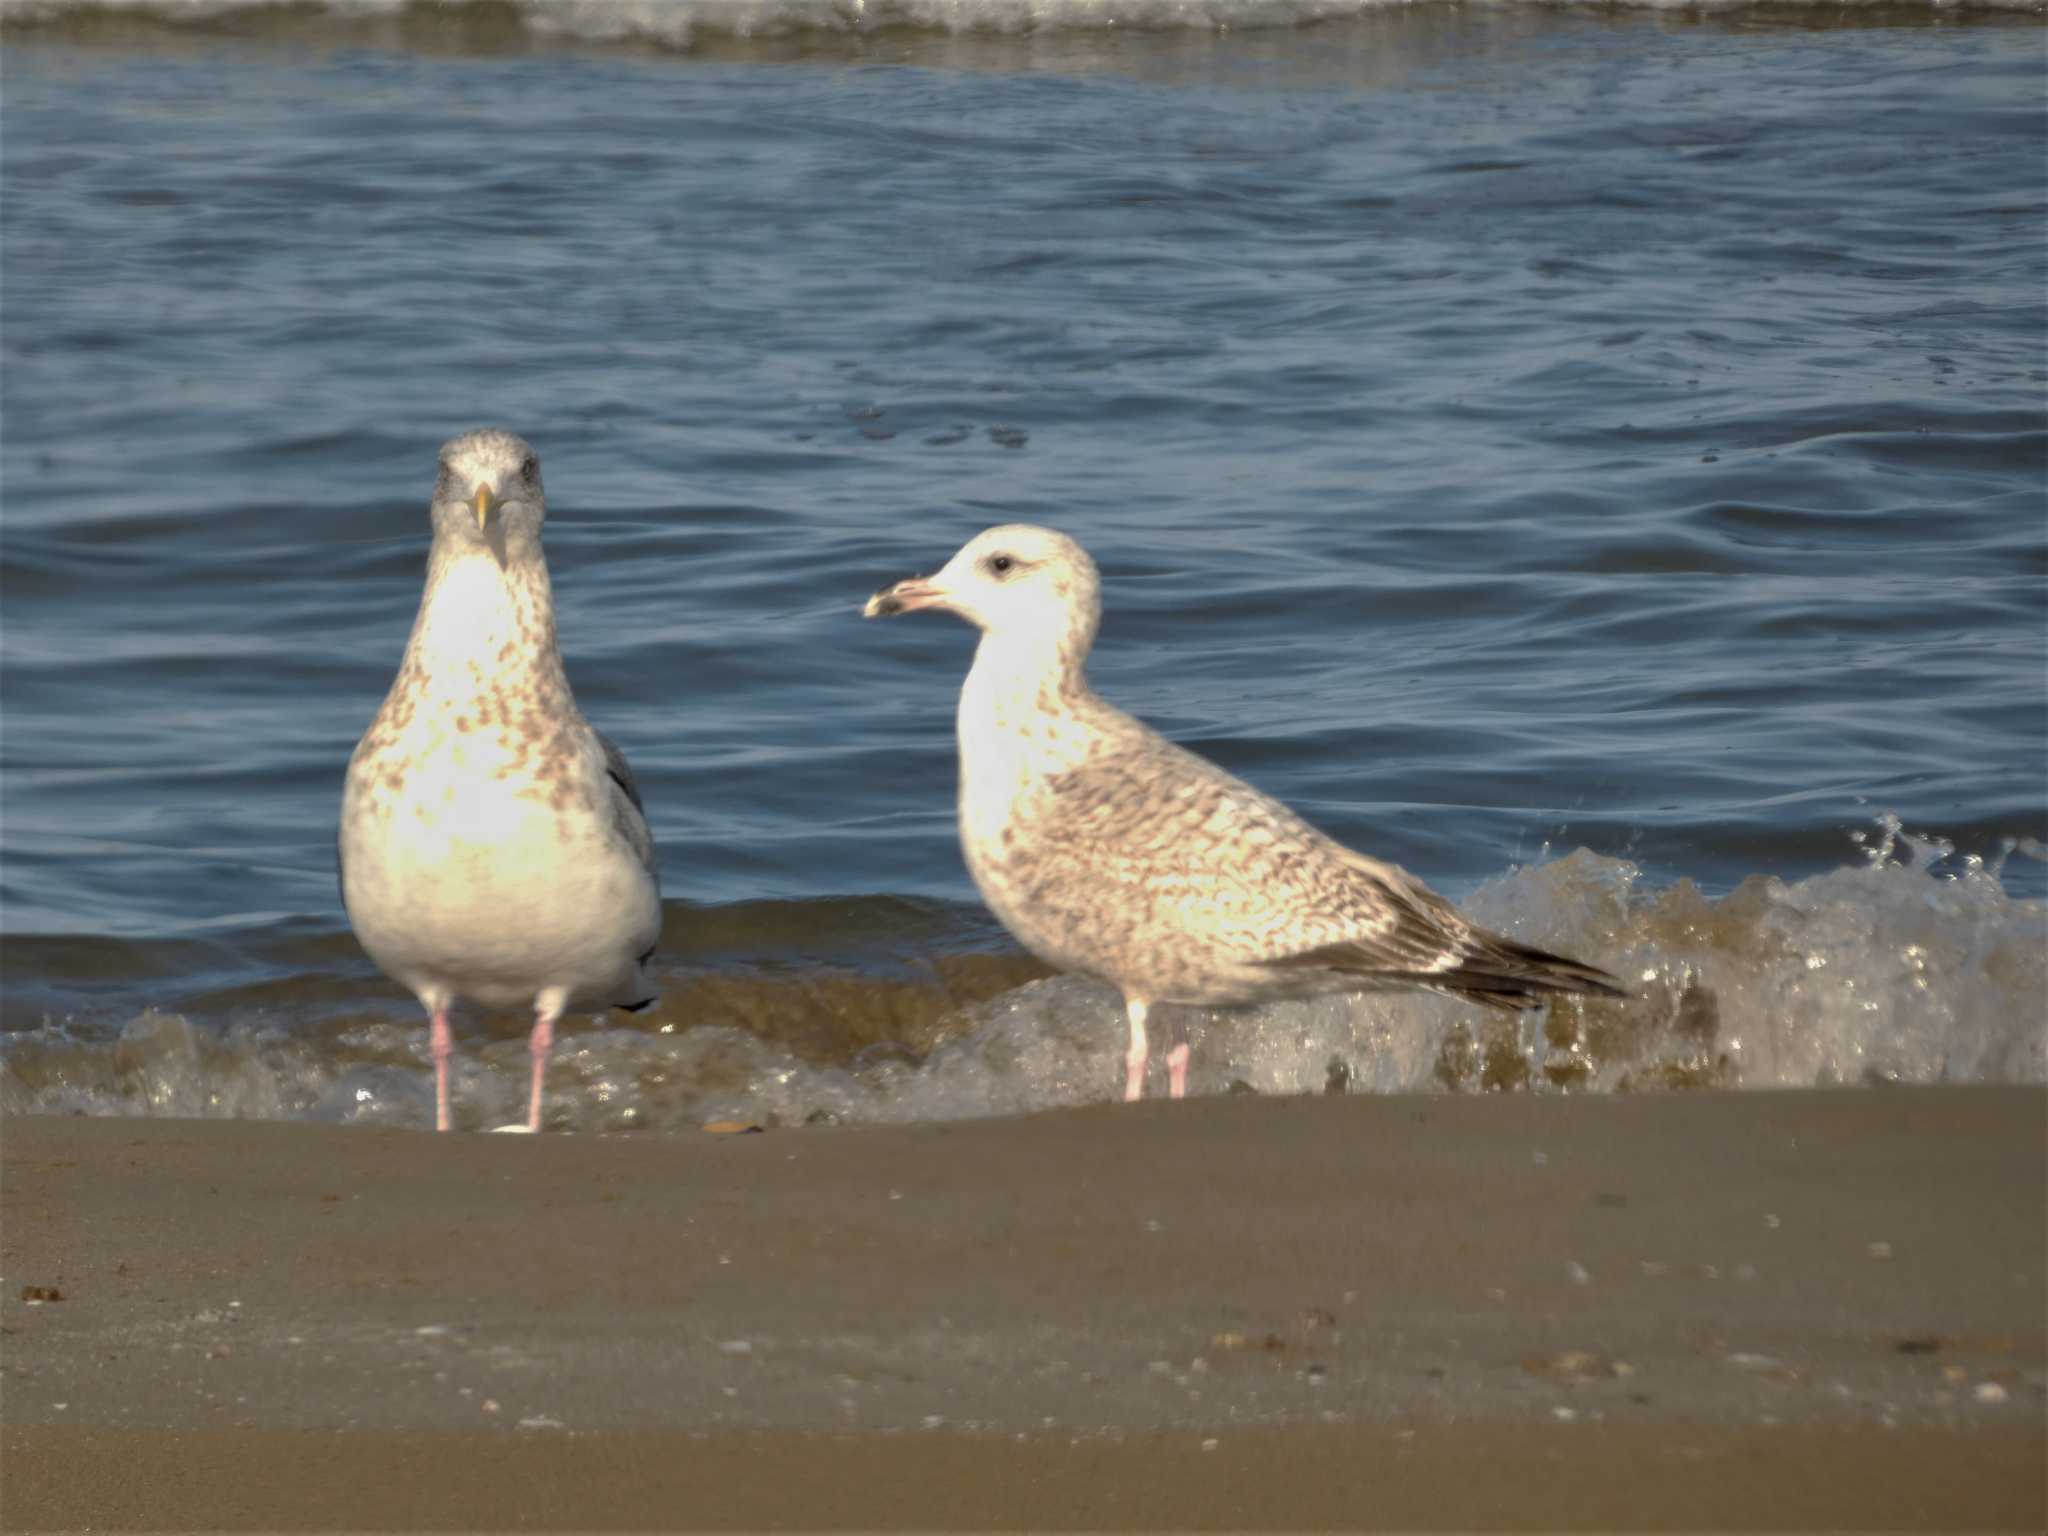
<point x="1107" y="849"/>
<point x="493" y="845"/>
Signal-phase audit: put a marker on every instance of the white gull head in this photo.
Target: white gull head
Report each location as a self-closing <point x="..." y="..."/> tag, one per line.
<point x="1017" y="581"/>
<point x="488" y="495"/>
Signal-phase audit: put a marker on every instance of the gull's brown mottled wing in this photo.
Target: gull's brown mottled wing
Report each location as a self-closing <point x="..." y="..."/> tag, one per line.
<point x="629" y="816"/>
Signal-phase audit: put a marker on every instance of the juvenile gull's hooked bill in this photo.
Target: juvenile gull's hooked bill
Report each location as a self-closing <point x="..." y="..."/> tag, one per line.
<point x="1107" y="849"/>
<point x="493" y="845"/>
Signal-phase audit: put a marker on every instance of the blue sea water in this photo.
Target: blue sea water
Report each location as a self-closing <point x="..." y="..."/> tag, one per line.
<point x="1592" y="457"/>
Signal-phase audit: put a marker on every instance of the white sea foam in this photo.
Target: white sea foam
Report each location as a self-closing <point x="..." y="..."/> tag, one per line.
<point x="681" y="24"/>
<point x="1895" y="969"/>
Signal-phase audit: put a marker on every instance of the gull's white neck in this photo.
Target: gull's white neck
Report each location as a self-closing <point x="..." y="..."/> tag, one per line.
<point x="1021" y="713"/>
<point x="479" y="623"/>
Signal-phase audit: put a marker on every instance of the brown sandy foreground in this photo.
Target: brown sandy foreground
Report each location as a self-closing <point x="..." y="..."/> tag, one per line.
<point x="1716" y="1310"/>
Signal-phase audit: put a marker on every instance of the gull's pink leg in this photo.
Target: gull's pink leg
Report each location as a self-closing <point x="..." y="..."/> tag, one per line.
<point x="1134" y="1058"/>
<point x="1177" y="1059"/>
<point x="1177" y="1071"/>
<point x="441" y="1040"/>
<point x="547" y="1009"/>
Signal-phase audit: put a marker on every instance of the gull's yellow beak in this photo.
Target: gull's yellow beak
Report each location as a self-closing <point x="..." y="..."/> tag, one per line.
<point x="484" y="502"/>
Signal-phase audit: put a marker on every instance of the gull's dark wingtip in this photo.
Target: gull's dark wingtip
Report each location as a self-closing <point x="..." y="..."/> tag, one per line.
<point x="1504" y="974"/>
<point x="1490" y="970"/>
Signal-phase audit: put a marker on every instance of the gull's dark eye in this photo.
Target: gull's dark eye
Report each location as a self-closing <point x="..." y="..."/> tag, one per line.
<point x="1000" y="564"/>
<point x="530" y="468"/>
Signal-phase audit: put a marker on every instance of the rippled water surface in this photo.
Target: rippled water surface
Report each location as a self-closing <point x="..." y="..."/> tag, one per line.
<point x="1503" y="432"/>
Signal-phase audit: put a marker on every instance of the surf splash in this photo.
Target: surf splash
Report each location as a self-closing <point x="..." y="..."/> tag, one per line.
<point x="1906" y="966"/>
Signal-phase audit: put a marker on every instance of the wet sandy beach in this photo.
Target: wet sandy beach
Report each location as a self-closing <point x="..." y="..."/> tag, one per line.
<point x="1750" y="1310"/>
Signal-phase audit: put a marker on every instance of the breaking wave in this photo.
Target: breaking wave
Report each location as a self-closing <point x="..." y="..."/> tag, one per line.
<point x="1907" y="966"/>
